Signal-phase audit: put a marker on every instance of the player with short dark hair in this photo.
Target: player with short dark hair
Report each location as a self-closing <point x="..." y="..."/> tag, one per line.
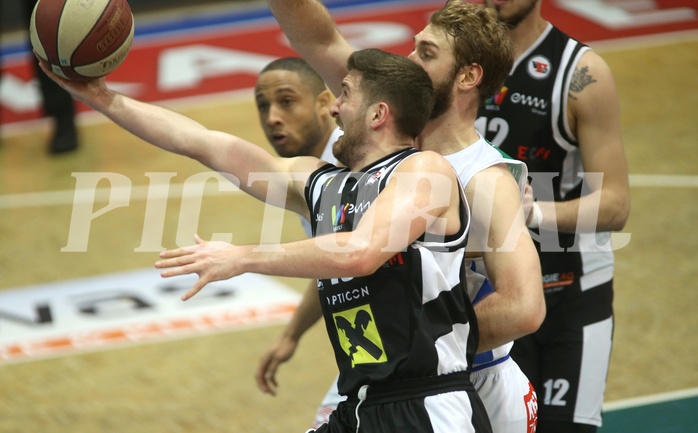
<point x="467" y="53"/>
<point x="389" y="246"/>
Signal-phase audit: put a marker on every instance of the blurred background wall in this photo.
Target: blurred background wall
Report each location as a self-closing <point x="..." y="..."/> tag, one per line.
<point x="11" y="18"/>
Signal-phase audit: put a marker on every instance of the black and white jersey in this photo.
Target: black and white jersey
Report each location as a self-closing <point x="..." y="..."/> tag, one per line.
<point x="412" y="318"/>
<point x="527" y="119"/>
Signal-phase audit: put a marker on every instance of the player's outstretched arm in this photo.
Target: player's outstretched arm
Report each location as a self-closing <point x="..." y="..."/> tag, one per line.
<point x="421" y="197"/>
<point x="182" y="135"/>
<point x="313" y="34"/>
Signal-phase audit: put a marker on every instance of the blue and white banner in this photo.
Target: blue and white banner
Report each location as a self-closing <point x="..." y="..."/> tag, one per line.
<point x="132" y="307"/>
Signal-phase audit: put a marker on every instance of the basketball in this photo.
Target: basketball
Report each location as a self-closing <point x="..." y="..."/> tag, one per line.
<point x="81" y="39"/>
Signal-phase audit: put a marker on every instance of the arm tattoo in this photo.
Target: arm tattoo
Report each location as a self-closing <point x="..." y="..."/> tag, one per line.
<point x="580" y="79"/>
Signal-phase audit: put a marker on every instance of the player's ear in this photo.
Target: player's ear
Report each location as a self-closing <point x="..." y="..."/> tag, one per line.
<point x="325" y="99"/>
<point x="469" y="75"/>
<point x="379" y="113"/>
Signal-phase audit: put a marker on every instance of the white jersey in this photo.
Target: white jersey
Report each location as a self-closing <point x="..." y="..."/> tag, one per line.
<point x="506" y="392"/>
<point x="468" y="162"/>
<point x="481" y="155"/>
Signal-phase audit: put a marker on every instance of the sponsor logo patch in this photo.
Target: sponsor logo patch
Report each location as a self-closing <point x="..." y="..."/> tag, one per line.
<point x="359" y="337"/>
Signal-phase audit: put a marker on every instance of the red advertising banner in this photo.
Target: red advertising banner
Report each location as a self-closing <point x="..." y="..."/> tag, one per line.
<point x="214" y="55"/>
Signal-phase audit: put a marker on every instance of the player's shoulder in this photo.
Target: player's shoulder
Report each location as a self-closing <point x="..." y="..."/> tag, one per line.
<point x="591" y="81"/>
<point x="593" y="65"/>
<point x="491" y="175"/>
<point x="307" y="165"/>
<point x="589" y="58"/>
<point x="427" y="161"/>
<point x="592" y="59"/>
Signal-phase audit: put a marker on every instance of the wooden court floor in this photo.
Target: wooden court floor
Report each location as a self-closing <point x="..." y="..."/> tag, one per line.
<point x="205" y="384"/>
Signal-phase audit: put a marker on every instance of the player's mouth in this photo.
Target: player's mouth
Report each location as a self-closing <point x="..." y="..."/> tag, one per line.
<point x="279" y="138"/>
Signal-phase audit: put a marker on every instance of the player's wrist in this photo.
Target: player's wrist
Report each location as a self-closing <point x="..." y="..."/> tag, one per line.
<point x="535" y="216"/>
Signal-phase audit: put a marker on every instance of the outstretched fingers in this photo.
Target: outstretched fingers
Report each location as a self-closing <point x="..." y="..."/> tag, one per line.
<point x="176" y="261"/>
<point x="196" y="288"/>
<point x="209" y="260"/>
<point x="177" y="252"/>
<point x="182" y="261"/>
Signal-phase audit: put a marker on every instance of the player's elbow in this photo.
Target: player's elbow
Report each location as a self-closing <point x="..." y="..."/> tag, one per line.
<point x="534" y="315"/>
<point x="361" y="260"/>
<point x="615" y="209"/>
<point x="532" y="309"/>
<point x="620" y="215"/>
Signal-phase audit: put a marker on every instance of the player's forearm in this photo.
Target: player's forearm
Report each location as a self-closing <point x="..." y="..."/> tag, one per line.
<point x="498" y="322"/>
<point x="329" y="256"/>
<point x="502" y="320"/>
<point x="306" y="315"/>
<point x="182" y="135"/>
<point x="313" y="34"/>
<point x="161" y="127"/>
<point x="306" y="23"/>
<point x="517" y="306"/>
<point x="594" y="212"/>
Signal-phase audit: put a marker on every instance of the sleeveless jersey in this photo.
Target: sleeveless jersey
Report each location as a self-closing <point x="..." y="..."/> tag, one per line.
<point x="412" y="318"/>
<point x="467" y="163"/>
<point x="328" y="156"/>
<point x="528" y="120"/>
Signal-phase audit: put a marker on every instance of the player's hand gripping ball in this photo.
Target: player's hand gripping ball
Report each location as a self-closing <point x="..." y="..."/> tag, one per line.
<point x="81" y="39"/>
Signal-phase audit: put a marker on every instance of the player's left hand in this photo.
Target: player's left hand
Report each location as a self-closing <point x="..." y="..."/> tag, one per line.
<point x="211" y="261"/>
<point x="281" y="352"/>
<point x="86" y="90"/>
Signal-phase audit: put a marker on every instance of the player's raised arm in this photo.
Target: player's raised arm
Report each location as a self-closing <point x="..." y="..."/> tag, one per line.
<point x="313" y="34"/>
<point x="222" y="152"/>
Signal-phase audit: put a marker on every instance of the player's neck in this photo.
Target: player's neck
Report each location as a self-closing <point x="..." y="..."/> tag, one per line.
<point x="527" y="32"/>
<point x="446" y="138"/>
<point x="452" y="131"/>
<point x="380" y="147"/>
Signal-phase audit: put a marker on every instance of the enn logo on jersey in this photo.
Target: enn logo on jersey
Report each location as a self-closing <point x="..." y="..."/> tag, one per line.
<point x="538" y="105"/>
<point x="359" y="337"/>
<point x="495" y="101"/>
<point x="539" y="67"/>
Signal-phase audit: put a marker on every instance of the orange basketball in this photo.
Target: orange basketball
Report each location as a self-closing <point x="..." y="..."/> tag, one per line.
<point x="81" y="39"/>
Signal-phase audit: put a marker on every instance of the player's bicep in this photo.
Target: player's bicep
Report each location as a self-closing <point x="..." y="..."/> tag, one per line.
<point x="510" y="256"/>
<point x="497" y="214"/>
<point x="596" y="110"/>
<point x="276" y="181"/>
<point x="419" y="198"/>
